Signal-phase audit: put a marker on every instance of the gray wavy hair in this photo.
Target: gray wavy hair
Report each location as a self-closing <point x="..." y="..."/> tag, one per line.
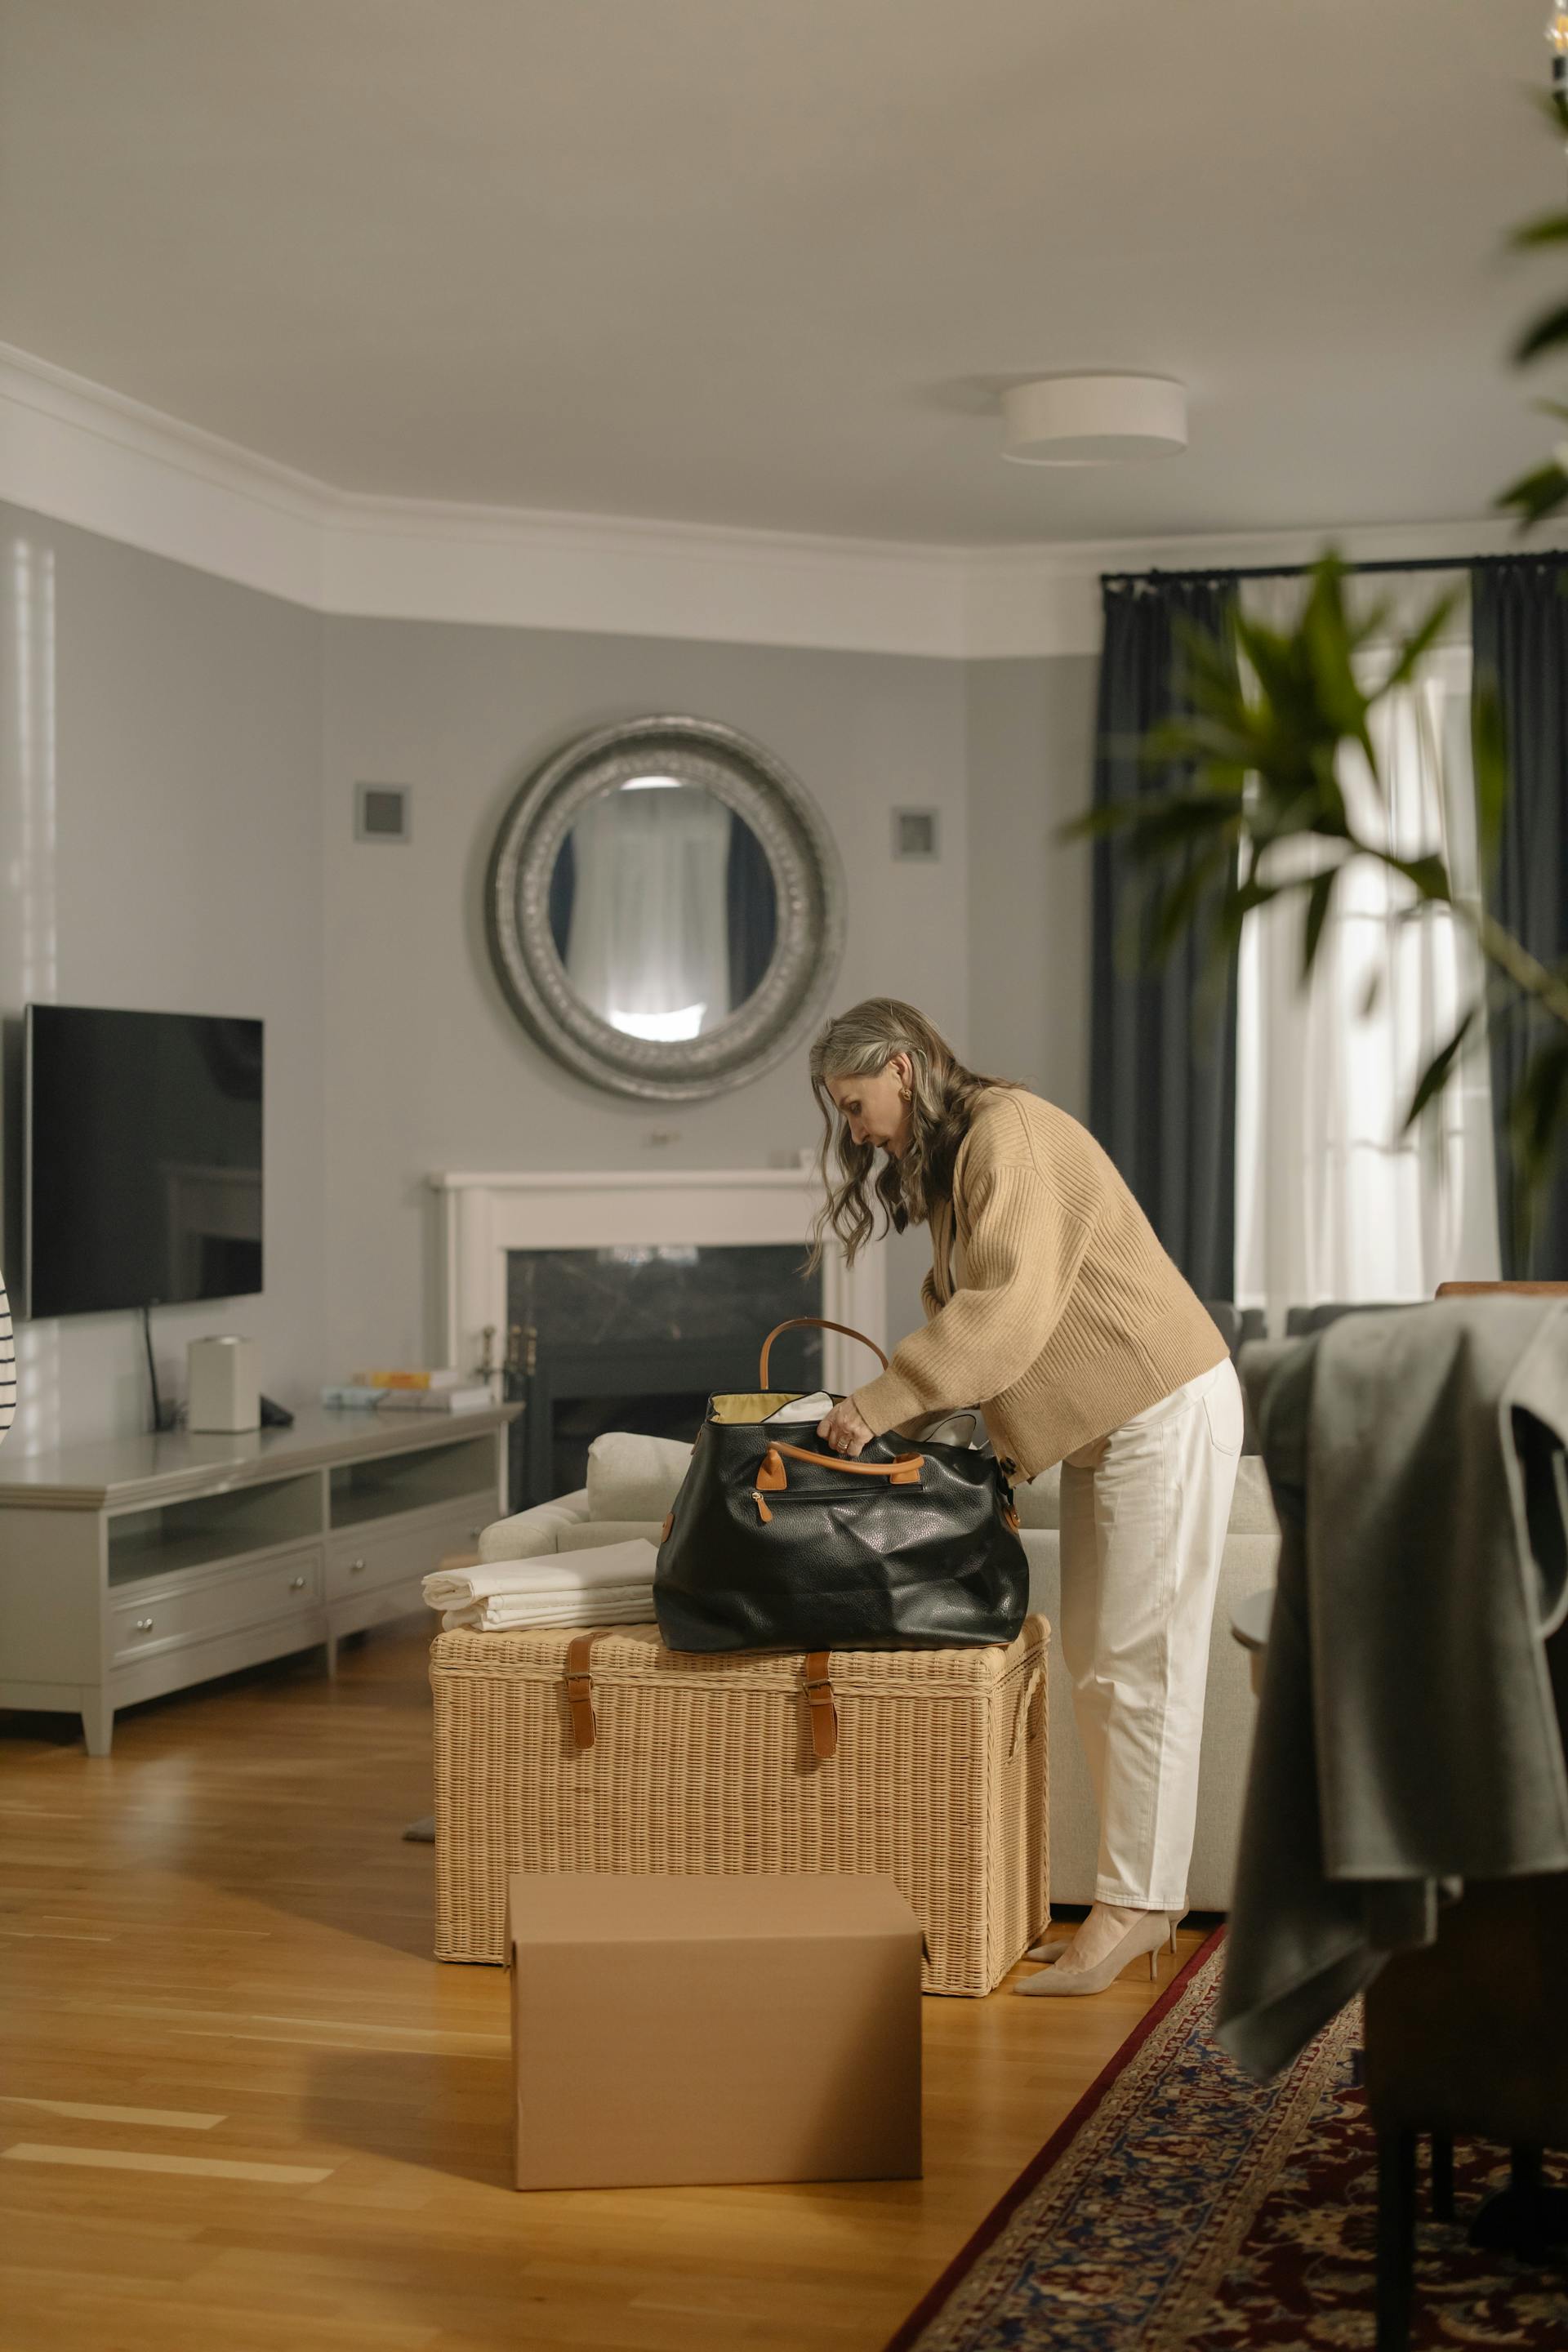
<point x="860" y="1044"/>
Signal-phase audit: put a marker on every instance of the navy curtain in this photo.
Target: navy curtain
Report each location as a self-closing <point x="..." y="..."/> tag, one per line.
<point x="1519" y="608"/>
<point x="563" y="896"/>
<point x="1161" y="1043"/>
<point x="752" y="911"/>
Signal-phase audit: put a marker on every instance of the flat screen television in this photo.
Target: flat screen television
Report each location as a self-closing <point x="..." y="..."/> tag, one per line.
<point x="143" y="1158"/>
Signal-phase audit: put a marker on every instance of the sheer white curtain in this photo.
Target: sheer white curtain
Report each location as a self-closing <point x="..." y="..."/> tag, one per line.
<point x="648" y="947"/>
<point x="1332" y="1202"/>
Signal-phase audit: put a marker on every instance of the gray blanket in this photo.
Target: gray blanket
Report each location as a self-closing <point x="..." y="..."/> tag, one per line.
<point x="1408" y="1735"/>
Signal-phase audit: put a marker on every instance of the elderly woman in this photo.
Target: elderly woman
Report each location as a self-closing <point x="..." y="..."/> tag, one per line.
<point x="1052" y="1306"/>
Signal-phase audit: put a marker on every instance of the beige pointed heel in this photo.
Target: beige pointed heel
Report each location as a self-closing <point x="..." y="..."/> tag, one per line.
<point x="1052" y="1951"/>
<point x="1146" y="1935"/>
<point x="1170" y="1944"/>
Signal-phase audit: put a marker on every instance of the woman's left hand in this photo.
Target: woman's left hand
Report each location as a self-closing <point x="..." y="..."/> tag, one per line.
<point x="844" y="1430"/>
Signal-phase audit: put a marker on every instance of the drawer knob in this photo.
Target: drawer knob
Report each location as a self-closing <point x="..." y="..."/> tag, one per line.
<point x="355" y="1566"/>
<point x="143" y="1624"/>
<point x="296" y="1584"/>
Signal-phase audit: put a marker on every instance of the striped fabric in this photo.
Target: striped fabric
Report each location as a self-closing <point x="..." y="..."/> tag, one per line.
<point x="8" y="1363"/>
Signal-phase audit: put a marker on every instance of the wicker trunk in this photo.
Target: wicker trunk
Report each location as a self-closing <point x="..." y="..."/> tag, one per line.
<point x="707" y="1764"/>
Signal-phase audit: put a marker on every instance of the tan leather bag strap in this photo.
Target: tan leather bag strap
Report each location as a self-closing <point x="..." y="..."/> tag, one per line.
<point x="822" y="1706"/>
<point x="772" y="1477"/>
<point x="813" y="1323"/>
<point x="580" y="1688"/>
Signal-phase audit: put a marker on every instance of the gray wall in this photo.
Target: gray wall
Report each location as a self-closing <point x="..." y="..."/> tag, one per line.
<point x="179" y="834"/>
<point x="1029" y="743"/>
<point x="427" y="1068"/>
<point x="160" y="819"/>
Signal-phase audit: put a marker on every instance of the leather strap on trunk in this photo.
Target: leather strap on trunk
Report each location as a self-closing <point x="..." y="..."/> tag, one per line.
<point x="580" y="1689"/>
<point x="821" y="1706"/>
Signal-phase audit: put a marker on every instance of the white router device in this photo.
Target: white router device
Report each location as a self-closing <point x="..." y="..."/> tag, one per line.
<point x="223" y="1391"/>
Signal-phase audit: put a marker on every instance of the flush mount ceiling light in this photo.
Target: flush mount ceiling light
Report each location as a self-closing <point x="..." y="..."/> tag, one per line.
<point x="1094" y="420"/>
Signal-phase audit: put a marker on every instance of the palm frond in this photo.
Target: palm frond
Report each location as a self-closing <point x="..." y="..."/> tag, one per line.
<point x="1439" y="1069"/>
<point x="1541" y="493"/>
<point x="1489" y="755"/>
<point x="1549" y="332"/>
<point x="1320" y="898"/>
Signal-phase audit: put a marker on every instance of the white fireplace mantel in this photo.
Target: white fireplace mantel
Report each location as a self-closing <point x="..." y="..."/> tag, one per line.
<point x="483" y="1217"/>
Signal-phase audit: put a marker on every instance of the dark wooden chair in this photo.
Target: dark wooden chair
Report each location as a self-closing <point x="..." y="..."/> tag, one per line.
<point x="1469" y="2038"/>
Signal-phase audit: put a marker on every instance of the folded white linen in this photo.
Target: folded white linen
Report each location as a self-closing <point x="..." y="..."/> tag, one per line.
<point x="518" y="1611"/>
<point x="561" y="1574"/>
<point x="455" y="1589"/>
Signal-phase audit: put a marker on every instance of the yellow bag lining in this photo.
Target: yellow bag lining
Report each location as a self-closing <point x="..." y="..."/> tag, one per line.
<point x="729" y="1409"/>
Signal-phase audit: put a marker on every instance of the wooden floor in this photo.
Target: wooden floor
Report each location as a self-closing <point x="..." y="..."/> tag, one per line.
<point x="241" y="2109"/>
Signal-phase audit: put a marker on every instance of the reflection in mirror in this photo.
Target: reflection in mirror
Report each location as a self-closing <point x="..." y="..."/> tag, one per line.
<point x="662" y="909"/>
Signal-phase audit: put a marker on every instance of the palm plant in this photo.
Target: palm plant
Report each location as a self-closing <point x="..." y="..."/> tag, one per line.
<point x="1268" y="717"/>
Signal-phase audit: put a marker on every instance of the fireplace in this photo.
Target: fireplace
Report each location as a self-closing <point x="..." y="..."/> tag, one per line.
<point x="636" y="1336"/>
<point x="648" y="1291"/>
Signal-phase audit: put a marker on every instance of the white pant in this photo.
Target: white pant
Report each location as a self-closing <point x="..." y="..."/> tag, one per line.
<point x="1143" y="1519"/>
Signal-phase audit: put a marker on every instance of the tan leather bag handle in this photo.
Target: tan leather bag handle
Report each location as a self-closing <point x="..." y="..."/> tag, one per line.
<point x="821" y="1704"/>
<point x="813" y="1323"/>
<point x="772" y="1477"/>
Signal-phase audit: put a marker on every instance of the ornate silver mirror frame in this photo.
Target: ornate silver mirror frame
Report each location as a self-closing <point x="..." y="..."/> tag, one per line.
<point x="808" y="889"/>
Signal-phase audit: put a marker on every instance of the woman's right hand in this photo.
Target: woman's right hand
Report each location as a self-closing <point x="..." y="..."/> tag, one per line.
<point x="844" y="1431"/>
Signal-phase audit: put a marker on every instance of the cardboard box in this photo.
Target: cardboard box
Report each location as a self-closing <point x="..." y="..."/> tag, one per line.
<point x="711" y="2030"/>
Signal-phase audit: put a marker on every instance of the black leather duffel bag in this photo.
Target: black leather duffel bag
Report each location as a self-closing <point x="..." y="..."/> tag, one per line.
<point x="774" y="1543"/>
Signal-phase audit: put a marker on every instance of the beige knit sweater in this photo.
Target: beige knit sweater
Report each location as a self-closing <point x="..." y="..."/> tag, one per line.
<point x="1072" y="1319"/>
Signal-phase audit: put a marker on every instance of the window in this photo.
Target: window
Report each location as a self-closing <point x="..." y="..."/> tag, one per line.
<point x="1332" y="1202"/>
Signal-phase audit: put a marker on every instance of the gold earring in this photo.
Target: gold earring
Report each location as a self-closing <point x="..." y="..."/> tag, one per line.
<point x="904" y="1095"/>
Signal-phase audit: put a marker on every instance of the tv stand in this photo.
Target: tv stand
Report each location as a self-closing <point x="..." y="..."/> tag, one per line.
<point x="141" y="1567"/>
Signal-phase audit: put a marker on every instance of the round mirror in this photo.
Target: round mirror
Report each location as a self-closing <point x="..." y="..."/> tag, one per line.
<point x="665" y="908"/>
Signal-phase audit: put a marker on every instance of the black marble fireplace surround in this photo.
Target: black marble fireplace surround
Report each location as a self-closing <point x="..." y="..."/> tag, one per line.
<point x="638" y="1337"/>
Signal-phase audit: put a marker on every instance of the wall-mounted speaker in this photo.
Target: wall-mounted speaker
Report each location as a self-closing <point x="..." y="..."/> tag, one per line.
<point x="915" y="832"/>
<point x="382" y="813"/>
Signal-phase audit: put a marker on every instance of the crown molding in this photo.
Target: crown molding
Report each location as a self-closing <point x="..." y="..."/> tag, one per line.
<point x="84" y="454"/>
<point x="408" y="558"/>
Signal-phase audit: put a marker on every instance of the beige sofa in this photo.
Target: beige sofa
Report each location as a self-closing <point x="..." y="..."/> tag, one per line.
<point x="632" y="1482"/>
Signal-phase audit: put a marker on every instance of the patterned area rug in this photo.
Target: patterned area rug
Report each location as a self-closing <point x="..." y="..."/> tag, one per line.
<point x="1185" y="2208"/>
